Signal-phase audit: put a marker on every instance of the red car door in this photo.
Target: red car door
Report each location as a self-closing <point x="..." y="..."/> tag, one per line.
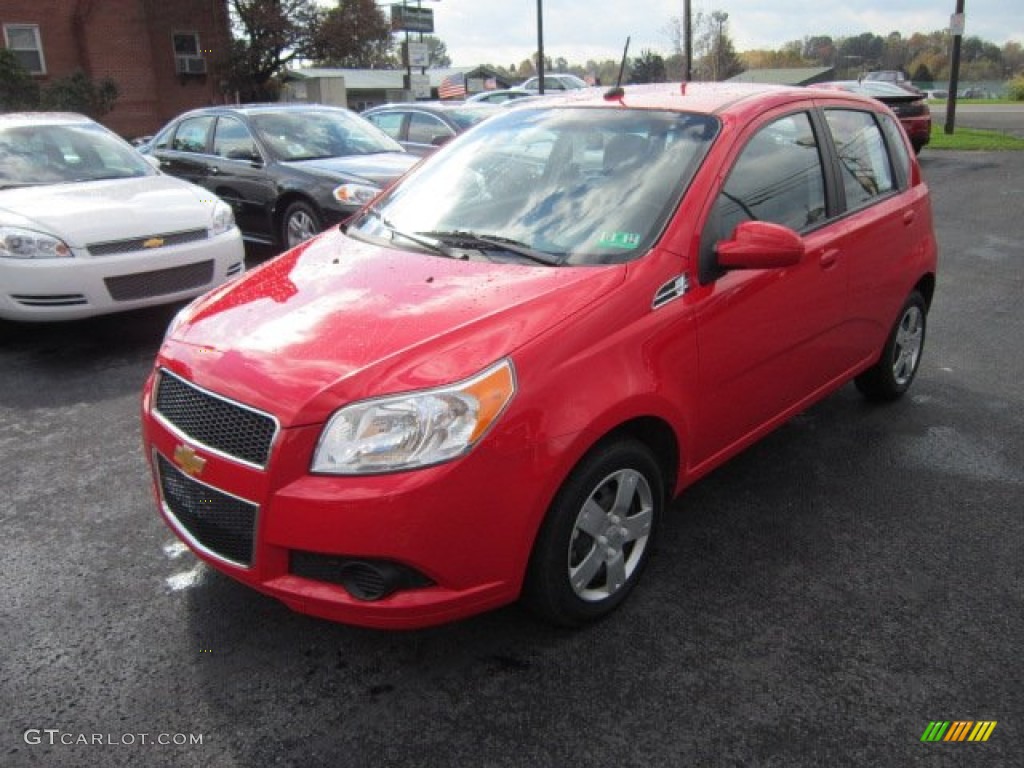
<point x="768" y="337"/>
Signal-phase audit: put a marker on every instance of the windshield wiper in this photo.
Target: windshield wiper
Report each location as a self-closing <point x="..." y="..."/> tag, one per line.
<point x="496" y="242"/>
<point x="431" y="245"/>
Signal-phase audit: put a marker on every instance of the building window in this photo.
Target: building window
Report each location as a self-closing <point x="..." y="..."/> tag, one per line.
<point x="24" y="42"/>
<point x="188" y="56"/>
<point x="186" y="44"/>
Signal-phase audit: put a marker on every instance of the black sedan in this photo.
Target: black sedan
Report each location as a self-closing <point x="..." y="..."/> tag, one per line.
<point x="287" y="170"/>
<point x="421" y="127"/>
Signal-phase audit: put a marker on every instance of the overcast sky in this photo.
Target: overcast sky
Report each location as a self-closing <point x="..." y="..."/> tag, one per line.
<point x="503" y="32"/>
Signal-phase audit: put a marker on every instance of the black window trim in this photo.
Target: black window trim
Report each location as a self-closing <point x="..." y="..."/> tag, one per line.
<point x="836" y="163"/>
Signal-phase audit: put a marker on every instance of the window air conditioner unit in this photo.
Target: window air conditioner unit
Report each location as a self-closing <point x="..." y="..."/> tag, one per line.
<point x="190" y="65"/>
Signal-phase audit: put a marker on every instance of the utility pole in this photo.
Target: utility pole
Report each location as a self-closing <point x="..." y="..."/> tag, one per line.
<point x="687" y="41"/>
<point x="540" y="46"/>
<point x="956" y="26"/>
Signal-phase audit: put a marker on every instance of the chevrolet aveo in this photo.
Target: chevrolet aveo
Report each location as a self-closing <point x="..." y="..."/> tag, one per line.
<point x="489" y="383"/>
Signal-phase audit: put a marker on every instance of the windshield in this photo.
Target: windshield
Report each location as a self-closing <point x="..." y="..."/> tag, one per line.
<point x="33" y="155"/>
<point x="579" y="185"/>
<point x="315" y="134"/>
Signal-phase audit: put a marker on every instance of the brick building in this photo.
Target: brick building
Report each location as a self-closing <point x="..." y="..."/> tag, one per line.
<point x="164" y="55"/>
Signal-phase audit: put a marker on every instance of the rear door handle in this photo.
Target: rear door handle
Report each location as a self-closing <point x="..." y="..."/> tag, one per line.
<point x="909" y="216"/>
<point x="212" y="170"/>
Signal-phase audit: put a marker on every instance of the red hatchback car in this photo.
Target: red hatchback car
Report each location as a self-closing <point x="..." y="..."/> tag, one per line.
<point x="489" y="383"/>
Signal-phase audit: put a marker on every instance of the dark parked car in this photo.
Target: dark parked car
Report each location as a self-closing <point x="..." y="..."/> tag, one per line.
<point x="910" y="107"/>
<point x="288" y="170"/>
<point x="422" y="127"/>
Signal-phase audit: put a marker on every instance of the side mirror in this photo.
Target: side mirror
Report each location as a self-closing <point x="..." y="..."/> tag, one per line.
<point x="441" y="140"/>
<point x="760" y="245"/>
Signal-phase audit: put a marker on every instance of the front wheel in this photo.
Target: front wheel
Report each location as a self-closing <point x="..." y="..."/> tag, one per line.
<point x="597" y="535"/>
<point x="300" y="222"/>
<point x="894" y="372"/>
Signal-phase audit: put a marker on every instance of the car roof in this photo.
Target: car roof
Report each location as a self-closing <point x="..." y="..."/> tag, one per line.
<point x="433" y="106"/>
<point x="260" y="108"/>
<point x="742" y="99"/>
<point x="43" y="118"/>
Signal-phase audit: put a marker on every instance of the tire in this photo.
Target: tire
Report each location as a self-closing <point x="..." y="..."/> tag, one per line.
<point x="300" y="222"/>
<point x="894" y="372"/>
<point x="597" y="535"/>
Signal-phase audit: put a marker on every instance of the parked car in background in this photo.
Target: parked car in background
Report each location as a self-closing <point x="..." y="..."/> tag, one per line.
<point x="287" y="170"/>
<point x="490" y="383"/>
<point x="563" y="82"/>
<point x="499" y="96"/>
<point x="89" y="227"/>
<point x="910" y="107"/>
<point x="423" y="126"/>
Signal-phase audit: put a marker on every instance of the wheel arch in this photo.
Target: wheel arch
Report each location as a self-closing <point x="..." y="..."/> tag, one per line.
<point x="926" y="287"/>
<point x="284" y="202"/>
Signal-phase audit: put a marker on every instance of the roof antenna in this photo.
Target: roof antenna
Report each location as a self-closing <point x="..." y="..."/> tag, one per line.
<point x="617" y="92"/>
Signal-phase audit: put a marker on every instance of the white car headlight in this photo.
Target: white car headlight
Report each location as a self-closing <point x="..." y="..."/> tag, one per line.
<point x="414" y="430"/>
<point x="355" y="194"/>
<point x="18" y="243"/>
<point x="223" y="218"/>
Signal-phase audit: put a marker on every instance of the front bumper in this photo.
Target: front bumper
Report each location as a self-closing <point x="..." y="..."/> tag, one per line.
<point x="466" y="526"/>
<point x="85" y="286"/>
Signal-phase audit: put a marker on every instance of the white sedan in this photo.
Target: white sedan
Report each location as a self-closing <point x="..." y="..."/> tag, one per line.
<point x="89" y="227"/>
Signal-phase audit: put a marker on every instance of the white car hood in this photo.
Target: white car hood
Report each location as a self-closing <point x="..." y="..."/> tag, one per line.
<point x="116" y="209"/>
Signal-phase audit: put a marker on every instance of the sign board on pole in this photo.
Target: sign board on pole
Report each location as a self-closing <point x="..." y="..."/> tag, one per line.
<point x="409" y="19"/>
<point x="416" y="54"/>
<point x="957" y="24"/>
<point x="419" y="85"/>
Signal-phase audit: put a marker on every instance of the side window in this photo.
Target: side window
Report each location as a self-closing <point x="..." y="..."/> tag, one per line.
<point x="424" y="129"/>
<point x="898" y="148"/>
<point x="863" y="159"/>
<point x="389" y="122"/>
<point x="778" y="177"/>
<point x="232" y="140"/>
<point x="24" y="42"/>
<point x="191" y="134"/>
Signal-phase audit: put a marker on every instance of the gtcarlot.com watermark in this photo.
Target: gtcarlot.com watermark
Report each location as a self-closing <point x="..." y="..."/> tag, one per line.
<point x="56" y="737"/>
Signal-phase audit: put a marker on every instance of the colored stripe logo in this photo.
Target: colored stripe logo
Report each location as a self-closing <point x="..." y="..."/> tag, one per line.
<point x="959" y="730"/>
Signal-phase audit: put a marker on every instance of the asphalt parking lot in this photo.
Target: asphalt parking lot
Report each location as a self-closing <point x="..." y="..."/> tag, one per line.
<point x="816" y="602"/>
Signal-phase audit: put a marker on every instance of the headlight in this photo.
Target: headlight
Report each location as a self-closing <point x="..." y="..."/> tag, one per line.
<point x="355" y="194"/>
<point x="17" y="243"/>
<point x="416" y="429"/>
<point x="223" y="218"/>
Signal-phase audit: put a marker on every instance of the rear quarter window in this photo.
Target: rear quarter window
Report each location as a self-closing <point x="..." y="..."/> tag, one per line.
<point x="865" y="168"/>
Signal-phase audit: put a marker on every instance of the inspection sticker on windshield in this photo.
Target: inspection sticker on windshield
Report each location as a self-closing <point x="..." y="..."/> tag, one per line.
<point x="628" y="240"/>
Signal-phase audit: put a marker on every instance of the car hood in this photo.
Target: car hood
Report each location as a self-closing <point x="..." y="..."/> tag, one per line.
<point x="381" y="168"/>
<point x="336" y="320"/>
<point x="114" y="209"/>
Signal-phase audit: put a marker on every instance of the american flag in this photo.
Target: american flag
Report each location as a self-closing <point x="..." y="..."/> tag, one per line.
<point x="452" y="87"/>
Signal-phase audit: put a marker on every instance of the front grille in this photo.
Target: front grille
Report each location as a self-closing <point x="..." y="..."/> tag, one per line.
<point x="160" y="282"/>
<point x="221" y="425"/>
<point x="220" y="524"/>
<point x="139" y="243"/>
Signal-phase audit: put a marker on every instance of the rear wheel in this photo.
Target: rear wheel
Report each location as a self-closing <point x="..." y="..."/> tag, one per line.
<point x="894" y="372"/>
<point x="597" y="535"/>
